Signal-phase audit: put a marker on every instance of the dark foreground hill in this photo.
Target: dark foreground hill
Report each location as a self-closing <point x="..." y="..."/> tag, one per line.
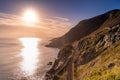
<point x="94" y="57"/>
<point x="85" y="27"/>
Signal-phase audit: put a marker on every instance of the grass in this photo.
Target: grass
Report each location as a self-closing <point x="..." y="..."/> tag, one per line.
<point x="101" y="71"/>
<point x="100" y="74"/>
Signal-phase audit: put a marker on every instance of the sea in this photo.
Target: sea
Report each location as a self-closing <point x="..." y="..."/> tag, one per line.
<point x="25" y="58"/>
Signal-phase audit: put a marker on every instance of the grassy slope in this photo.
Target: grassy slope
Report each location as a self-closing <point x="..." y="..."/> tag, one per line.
<point x="104" y="67"/>
<point x="94" y="57"/>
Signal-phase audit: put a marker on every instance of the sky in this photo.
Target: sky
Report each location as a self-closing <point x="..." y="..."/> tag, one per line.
<point x="56" y="16"/>
<point x="75" y="10"/>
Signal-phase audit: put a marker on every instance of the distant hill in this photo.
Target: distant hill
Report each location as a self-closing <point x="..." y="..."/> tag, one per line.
<point x="86" y="27"/>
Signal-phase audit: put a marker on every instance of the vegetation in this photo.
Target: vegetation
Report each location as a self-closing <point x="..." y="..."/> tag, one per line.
<point x="107" y="66"/>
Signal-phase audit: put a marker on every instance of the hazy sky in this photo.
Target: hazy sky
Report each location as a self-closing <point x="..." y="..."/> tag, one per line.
<point x="56" y="16"/>
<point x="75" y="10"/>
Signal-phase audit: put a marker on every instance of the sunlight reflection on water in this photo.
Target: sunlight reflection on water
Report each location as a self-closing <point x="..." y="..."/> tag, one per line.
<point x="29" y="53"/>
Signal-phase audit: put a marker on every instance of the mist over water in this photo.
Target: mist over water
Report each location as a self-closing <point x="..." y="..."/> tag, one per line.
<point x="24" y="58"/>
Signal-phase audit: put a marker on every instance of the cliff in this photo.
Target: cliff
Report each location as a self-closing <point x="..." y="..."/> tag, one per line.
<point x="86" y="27"/>
<point x="94" y="57"/>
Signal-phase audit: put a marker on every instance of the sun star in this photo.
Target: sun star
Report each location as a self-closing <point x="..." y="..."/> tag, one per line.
<point x="30" y="17"/>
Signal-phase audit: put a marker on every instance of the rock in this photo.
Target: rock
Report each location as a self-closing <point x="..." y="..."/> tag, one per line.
<point x="111" y="65"/>
<point x="50" y="63"/>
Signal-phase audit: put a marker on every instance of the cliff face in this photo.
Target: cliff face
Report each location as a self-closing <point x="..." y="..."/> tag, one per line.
<point x="86" y="27"/>
<point x="94" y="57"/>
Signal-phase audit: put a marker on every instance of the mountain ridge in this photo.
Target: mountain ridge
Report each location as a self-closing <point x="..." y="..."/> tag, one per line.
<point x="86" y="27"/>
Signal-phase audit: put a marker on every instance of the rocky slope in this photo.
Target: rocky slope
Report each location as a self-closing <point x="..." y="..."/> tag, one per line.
<point x="86" y="27"/>
<point x="94" y="57"/>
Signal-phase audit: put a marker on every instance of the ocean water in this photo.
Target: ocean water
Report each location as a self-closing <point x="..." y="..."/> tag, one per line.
<point x="25" y="58"/>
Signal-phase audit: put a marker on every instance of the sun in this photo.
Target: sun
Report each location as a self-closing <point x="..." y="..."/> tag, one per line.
<point x="30" y="16"/>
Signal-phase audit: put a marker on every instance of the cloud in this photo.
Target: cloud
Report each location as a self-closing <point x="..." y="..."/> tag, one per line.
<point x="50" y="26"/>
<point x="61" y="18"/>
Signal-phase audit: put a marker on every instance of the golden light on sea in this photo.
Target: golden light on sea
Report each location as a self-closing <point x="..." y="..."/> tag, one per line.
<point x="29" y="53"/>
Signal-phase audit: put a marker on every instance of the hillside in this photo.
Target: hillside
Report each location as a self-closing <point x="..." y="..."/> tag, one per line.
<point x="86" y="27"/>
<point x="94" y="57"/>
